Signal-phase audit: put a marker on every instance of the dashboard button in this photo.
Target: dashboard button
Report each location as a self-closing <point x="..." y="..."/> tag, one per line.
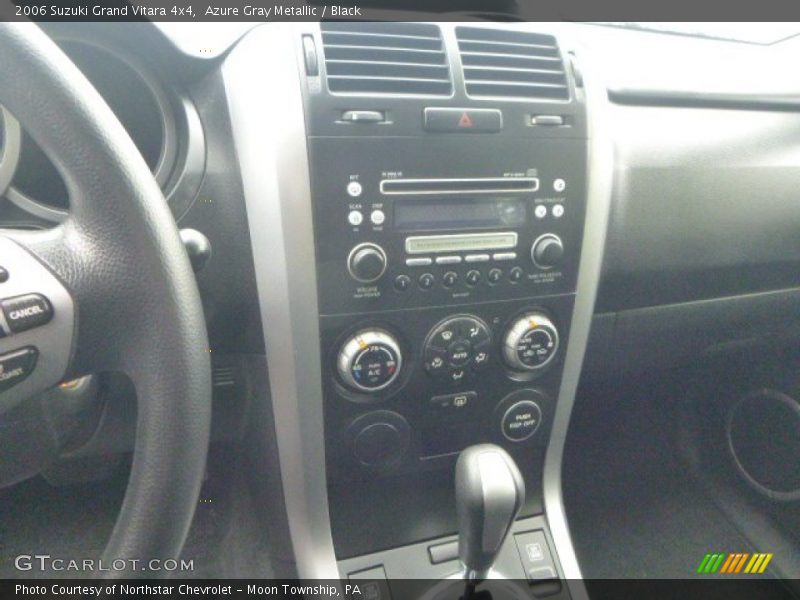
<point x="354" y="189"/>
<point x="540" y="212"/>
<point x="377" y="217"/>
<point x="463" y="120"/>
<point x="521" y="420"/>
<point x="435" y="360"/>
<point x="16" y="366"/>
<point x="355" y="218"/>
<point x="3" y="275"/>
<point x="473" y="277"/>
<point x="448" y="260"/>
<point x="558" y="211"/>
<point x="559" y="185"/>
<point x="477" y="258"/>
<point x="26" y="312"/>
<point x="459" y="400"/>
<point x="449" y="279"/>
<point x="505" y="256"/>
<point x="480" y="357"/>
<point x="459" y="353"/>
<point x="418" y="262"/>
<point x="494" y="275"/>
<point x="515" y="274"/>
<point x="402" y="283"/>
<point x="426" y="281"/>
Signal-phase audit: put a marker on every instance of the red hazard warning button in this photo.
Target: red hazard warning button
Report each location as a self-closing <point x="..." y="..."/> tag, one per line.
<point x="463" y="120"/>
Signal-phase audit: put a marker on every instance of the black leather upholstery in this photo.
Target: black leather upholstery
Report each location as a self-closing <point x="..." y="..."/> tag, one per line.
<point x="138" y="308"/>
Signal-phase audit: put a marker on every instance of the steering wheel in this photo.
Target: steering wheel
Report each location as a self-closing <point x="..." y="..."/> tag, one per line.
<point x="109" y="289"/>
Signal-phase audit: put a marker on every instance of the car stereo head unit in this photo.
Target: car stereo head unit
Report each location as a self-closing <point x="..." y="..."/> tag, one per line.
<point x="400" y="223"/>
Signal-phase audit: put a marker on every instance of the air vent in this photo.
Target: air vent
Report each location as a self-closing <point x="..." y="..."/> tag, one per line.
<point x="386" y="58"/>
<point x="500" y="63"/>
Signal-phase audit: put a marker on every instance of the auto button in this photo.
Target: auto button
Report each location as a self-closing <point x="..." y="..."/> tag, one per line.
<point x="16" y="366"/>
<point x="26" y="312"/>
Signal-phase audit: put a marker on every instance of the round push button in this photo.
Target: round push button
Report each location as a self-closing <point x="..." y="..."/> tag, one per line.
<point x="521" y="420"/>
<point x="426" y="281"/>
<point x="473" y="277"/>
<point x="354" y="189"/>
<point x="449" y="279"/>
<point x="402" y="283"/>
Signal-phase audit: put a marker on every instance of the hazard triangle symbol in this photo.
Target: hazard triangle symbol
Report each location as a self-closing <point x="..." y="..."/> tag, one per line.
<point x="465" y="121"/>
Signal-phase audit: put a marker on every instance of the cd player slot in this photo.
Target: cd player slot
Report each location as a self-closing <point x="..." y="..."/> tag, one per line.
<point x="487" y="185"/>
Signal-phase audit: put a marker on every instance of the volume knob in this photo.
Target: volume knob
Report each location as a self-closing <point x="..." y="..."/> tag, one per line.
<point x="547" y="251"/>
<point x="370" y="360"/>
<point x="366" y="262"/>
<point x="531" y="342"/>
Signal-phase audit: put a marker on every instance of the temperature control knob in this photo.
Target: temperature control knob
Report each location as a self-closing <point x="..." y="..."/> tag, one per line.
<point x="531" y="342"/>
<point x="366" y="262"/>
<point x="370" y="360"/>
<point x="547" y="251"/>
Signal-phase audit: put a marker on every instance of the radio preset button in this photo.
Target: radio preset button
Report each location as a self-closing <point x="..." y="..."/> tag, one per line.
<point x="402" y="283"/>
<point x="494" y="275"/>
<point x="448" y="260"/>
<point x="449" y="279"/>
<point x="418" y="262"/>
<point x="477" y="258"/>
<point x="473" y="277"/>
<point x="354" y="189"/>
<point x="540" y="212"/>
<point x="504" y="256"/>
<point x="355" y="218"/>
<point x="378" y="217"/>
<point x="426" y="281"/>
<point x="515" y="274"/>
<point x="558" y="211"/>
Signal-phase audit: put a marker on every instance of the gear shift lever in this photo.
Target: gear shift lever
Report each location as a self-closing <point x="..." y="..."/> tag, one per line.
<point x="490" y="492"/>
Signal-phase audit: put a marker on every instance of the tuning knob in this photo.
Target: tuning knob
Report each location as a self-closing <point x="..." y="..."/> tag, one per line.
<point x="547" y="251"/>
<point x="370" y="360"/>
<point x="366" y="262"/>
<point x="531" y="342"/>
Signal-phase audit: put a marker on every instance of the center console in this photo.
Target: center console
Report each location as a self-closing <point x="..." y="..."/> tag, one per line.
<point x="448" y="231"/>
<point x="444" y="297"/>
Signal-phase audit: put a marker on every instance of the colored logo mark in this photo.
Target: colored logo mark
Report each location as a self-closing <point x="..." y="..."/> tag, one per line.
<point x="734" y="563"/>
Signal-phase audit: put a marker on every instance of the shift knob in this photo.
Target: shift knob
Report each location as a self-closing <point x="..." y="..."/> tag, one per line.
<point x="490" y="492"/>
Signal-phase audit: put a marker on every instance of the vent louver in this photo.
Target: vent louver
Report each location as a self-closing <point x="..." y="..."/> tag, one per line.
<point x="511" y="64"/>
<point x="386" y="58"/>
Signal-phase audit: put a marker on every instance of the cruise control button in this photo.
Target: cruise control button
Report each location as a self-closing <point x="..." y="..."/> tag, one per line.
<point x="26" y="312"/>
<point x="16" y="366"/>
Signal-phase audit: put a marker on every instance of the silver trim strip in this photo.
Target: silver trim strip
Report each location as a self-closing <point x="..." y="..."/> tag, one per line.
<point x="487" y="189"/>
<point x="600" y="177"/>
<point x="268" y="125"/>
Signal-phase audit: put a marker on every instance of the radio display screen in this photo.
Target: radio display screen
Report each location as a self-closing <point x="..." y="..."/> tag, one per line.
<point x="459" y="213"/>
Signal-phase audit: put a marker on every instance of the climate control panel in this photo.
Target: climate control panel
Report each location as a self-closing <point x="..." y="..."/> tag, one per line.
<point x="408" y="389"/>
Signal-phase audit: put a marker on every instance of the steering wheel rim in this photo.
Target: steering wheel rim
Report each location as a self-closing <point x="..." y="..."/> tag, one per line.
<point x="128" y="300"/>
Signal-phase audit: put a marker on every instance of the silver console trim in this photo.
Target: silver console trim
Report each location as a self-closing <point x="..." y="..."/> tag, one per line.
<point x="600" y="169"/>
<point x="267" y="119"/>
